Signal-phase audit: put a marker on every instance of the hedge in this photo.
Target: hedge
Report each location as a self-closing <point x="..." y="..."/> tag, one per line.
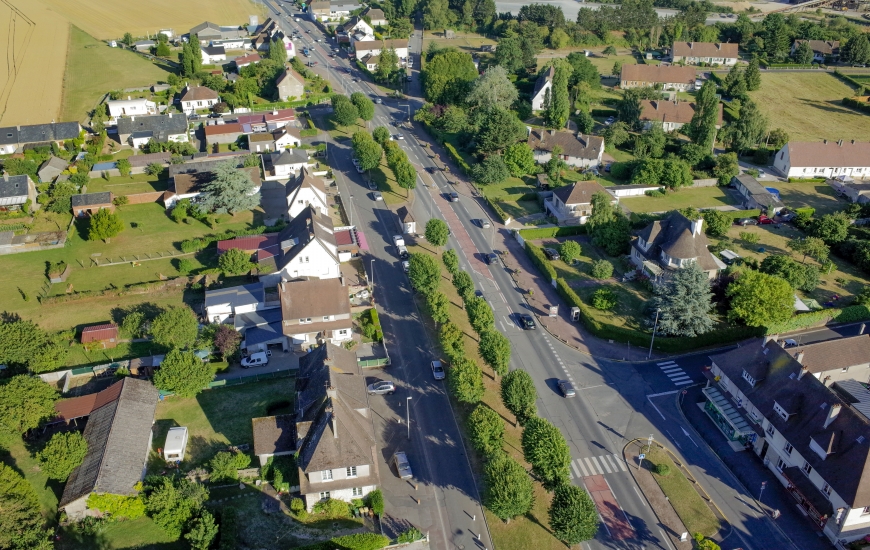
<point x="623" y="170"/>
<point x="855" y="104"/>
<point x="789" y="66"/>
<point x="807" y="180"/>
<point x="737" y="214"/>
<point x="498" y="209"/>
<point x="603" y="112"/>
<point x="849" y="314"/>
<point x="457" y="158"/>
<point x="550" y="232"/>
<point x="848" y="79"/>
<point x="537" y="256"/>
<point x="112" y="291"/>
<point x="361" y="541"/>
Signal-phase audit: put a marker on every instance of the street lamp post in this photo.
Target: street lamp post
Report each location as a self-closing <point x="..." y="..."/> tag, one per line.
<point x="350" y="210"/>
<point x="653" y="339"/>
<point x="408" y="413"/>
<point x="761" y="492"/>
<point x="372" y="280"/>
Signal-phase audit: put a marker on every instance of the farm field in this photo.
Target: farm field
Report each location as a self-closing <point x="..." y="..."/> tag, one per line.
<point x="807" y="106"/>
<point x="93" y="68"/>
<point x="37" y="42"/>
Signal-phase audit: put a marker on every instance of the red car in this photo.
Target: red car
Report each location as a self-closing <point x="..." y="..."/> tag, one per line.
<point x="764" y="220"/>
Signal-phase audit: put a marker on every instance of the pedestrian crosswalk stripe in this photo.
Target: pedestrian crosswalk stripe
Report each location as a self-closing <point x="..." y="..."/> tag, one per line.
<point x="610" y="462"/>
<point x="683" y="383"/>
<point x="576" y="471"/>
<point x="590" y="466"/>
<point x="680" y="374"/>
<point x="666" y="363"/>
<point x="671" y="369"/>
<point x="621" y="463"/>
<point x="593" y="469"/>
<point x="603" y="464"/>
<point x="582" y="467"/>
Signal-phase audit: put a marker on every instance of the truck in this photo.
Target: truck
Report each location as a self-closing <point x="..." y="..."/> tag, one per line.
<point x="398" y="240"/>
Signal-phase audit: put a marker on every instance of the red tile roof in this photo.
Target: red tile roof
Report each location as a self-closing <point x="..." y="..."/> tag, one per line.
<point x="99" y="333"/>
<point x="77" y="407"/>
<point x="268" y="116"/>
<point x="343" y="238"/>
<point x="252" y="243"/>
<point x="221" y="129"/>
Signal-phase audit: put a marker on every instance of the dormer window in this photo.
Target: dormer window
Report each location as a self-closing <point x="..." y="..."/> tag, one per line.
<point x="749" y="378"/>
<point x="779" y="410"/>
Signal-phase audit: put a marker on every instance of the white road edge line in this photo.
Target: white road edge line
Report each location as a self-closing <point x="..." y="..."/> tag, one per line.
<point x="656" y="408"/>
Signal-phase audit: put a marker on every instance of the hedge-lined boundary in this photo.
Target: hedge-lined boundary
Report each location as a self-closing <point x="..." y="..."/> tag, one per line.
<point x="855" y="104"/>
<point x="821" y="317"/>
<point x="603" y="112"/>
<point x="848" y="79"/>
<point x="457" y="158"/>
<point x="790" y="66"/>
<point x="807" y="180"/>
<point x="503" y="216"/>
<point x="550" y="232"/>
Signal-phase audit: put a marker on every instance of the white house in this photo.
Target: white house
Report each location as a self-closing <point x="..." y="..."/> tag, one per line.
<point x="224" y="303"/>
<point x="306" y="190"/>
<point x="357" y="25"/>
<point x="572" y="204"/>
<point x="326" y="10"/>
<point x="212" y="54"/>
<point x="376" y="17"/>
<point x="673" y="243"/>
<point x="710" y="53"/>
<point x="578" y="150"/>
<point x="543" y="88"/>
<point x="198" y="97"/>
<point x="363" y="48"/>
<point x="281" y="165"/>
<point x="815" y="441"/>
<point x="337" y="454"/>
<point x="822" y="49"/>
<point x="130" y="107"/>
<point x="276" y="140"/>
<point x="232" y="44"/>
<point x="315" y="311"/>
<point x="824" y="159"/>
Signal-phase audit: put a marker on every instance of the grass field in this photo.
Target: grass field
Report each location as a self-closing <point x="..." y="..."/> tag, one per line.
<point x="93" y="68"/>
<point x="807" y="106"/>
<point x="136" y="183"/>
<point x="36" y="41"/>
<point x="701" y="197"/>
<point x="817" y="195"/>
<point x="467" y="42"/>
<point x="142" y="534"/>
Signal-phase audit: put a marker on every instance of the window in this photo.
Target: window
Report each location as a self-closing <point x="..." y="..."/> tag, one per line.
<point x="827" y="490"/>
<point x="770" y="429"/>
<point x="324" y="495"/>
<point x="780" y="411"/>
<point x="326" y="317"/>
<point x="301" y="202"/>
<point x="357" y="491"/>
<point x="781" y="465"/>
<point x="351" y="471"/>
<point x="306" y="259"/>
<point x="326" y="475"/>
<point x="342" y="332"/>
<point x="305" y="321"/>
<point x="787" y="448"/>
<point x="807" y="468"/>
<point x="748" y="378"/>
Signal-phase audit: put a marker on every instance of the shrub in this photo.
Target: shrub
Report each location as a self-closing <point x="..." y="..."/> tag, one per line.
<point x="663" y="469"/>
<point x="297" y="505"/>
<point x="411" y="535"/>
<point x="569" y="251"/>
<point x="376" y="502"/>
<point x="749" y="237"/>
<point x="224" y="465"/>
<point x="332" y="508"/>
<point x="362" y="541"/>
<point x="602" y="269"/>
<point x="603" y="299"/>
<point x="117" y="506"/>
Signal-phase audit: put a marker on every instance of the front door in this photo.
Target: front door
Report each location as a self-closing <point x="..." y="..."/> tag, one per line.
<point x="764" y="449"/>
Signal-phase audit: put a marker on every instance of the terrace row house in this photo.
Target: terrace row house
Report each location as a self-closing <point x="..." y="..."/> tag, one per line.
<point x="16" y="138"/>
<point x="824" y="159"/>
<point x="665" y="77"/>
<point x="695" y="53"/>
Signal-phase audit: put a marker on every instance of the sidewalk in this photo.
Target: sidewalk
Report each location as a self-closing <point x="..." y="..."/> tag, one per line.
<point x="749" y="469"/>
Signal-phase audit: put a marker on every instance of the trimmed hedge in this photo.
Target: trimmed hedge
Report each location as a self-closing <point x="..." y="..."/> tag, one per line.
<point x="550" y="232"/>
<point x="855" y="104"/>
<point x="848" y="79"/>
<point x="603" y="112"/>
<point x="457" y="158"/>
<point x="789" y="66"/>
<point x="807" y="180"/>
<point x="737" y="214"/>
<point x="537" y="256"/>
<point x="503" y="216"/>
<point x="821" y="317"/>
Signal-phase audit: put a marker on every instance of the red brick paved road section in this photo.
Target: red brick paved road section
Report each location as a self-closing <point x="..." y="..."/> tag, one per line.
<point x="475" y="258"/>
<point x="611" y="514"/>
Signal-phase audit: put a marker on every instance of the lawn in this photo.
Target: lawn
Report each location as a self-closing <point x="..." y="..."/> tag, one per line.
<point x="816" y="195"/>
<point x="507" y="195"/>
<point x="631" y="303"/>
<point x="142" y="534"/>
<point x="15" y="454"/>
<point x="807" y="106"/>
<point x="128" y="185"/>
<point x="80" y="357"/>
<point x="696" y="515"/>
<point x="93" y="69"/>
<point x="580" y="269"/>
<point x="468" y="42"/>
<point x="388" y="186"/>
<point x="698" y="197"/>
<point x="222" y="416"/>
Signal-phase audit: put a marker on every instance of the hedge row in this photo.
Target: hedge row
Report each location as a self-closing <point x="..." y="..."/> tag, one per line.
<point x="603" y="112"/>
<point x="789" y="66"/>
<point x="550" y="232"/>
<point x="737" y="214"/>
<point x="855" y="104"/>
<point x="135" y="288"/>
<point x="848" y="79"/>
<point x="498" y="209"/>
<point x="537" y="256"/>
<point x="849" y="314"/>
<point x="807" y="180"/>
<point x="457" y="158"/>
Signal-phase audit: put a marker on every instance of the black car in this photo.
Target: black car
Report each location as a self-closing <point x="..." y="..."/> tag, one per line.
<point x="551" y="253"/>
<point x="528" y="322"/>
<point x="490" y="258"/>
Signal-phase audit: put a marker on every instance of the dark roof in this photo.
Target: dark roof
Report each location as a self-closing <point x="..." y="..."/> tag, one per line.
<point x="824" y="47"/>
<point x="91" y="199"/>
<point x="99" y="333"/>
<point x="573" y="145"/>
<point x="543" y="78"/>
<point x="14" y="186"/>
<point x="808" y="402"/>
<point x="236" y="296"/>
<point x="162" y="126"/>
<point x="9" y="135"/>
<point x="810" y="491"/>
<point x="289" y="156"/>
<point x="837" y="354"/>
<point x="118" y="435"/>
<point x="580" y="192"/>
<point x="705" y="49"/>
<point x="59" y="131"/>
<point x="257" y="318"/>
<point x="304" y="228"/>
<point x="274" y="434"/>
<point x="757" y="191"/>
<point x="674" y="236"/>
<point x="263" y="333"/>
<point x="313" y="298"/>
<point x="203" y="26"/>
<point x="198" y="93"/>
<point x="214" y="50"/>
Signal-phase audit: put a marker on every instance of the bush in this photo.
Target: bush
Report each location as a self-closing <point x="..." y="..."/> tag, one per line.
<point x="749" y="237"/>
<point x="603" y="299"/>
<point x="332" y="508"/>
<point x="225" y="464"/>
<point x="602" y="269"/>
<point x="569" y="251"/>
<point x="663" y="469"/>
<point x="411" y="535"/>
<point x="376" y="502"/>
<point x="362" y="541"/>
<point x="550" y="232"/>
<point x="297" y="505"/>
<point x="117" y="506"/>
<point x="370" y="325"/>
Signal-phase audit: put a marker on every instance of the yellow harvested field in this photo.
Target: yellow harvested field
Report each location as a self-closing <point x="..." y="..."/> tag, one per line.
<point x="36" y="40"/>
<point x="107" y="19"/>
<point x="808" y="106"/>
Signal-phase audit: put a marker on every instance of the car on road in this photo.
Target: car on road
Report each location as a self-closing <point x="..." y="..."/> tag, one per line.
<point x="484" y="223"/>
<point x="567" y="388"/>
<point x="431" y="169"/>
<point x="454" y="196"/>
<point x="406" y="266"/>
<point x="403" y="252"/>
<point x="527" y="322"/>
<point x="790" y="343"/>
<point x="258" y="359"/>
<point x="399" y="136"/>
<point x="214" y="115"/>
<point x="403" y="467"/>
<point x="379" y="101"/>
<point x="355" y="161"/>
<point x="408" y="78"/>
<point x="384" y="387"/>
<point x="377" y="196"/>
<point x="490" y="258"/>
<point x="359" y="169"/>
<point x="551" y="253"/>
<point x="438" y="370"/>
<point x="761" y="174"/>
<point x="355" y="79"/>
<point x="372" y="185"/>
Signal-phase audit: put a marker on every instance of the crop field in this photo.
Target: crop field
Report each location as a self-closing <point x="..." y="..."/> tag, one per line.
<point x="807" y="106"/>
<point x="35" y="40"/>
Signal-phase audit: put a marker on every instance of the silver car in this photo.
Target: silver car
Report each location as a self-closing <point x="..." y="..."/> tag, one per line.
<point x="437" y="370"/>
<point x="567" y="388"/>
<point x="381" y="388"/>
<point x="403" y="467"/>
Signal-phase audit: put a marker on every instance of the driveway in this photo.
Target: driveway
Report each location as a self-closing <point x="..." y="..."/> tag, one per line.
<point x="280" y="361"/>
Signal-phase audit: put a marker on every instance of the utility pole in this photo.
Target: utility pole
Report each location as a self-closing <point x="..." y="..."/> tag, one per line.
<point x="408" y="413"/>
<point x="653" y="339"/>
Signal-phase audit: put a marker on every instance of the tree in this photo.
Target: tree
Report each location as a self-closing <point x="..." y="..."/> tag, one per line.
<point x="609" y="50"/>
<point x="585" y="122"/>
<point x="25" y="401"/>
<point x="406" y="175"/>
<point x="495" y="349"/>
<point x="734" y="82"/>
<point x="450" y="337"/>
<point x="601" y="269"/>
<point x="22" y="526"/>
<point x="128" y="39"/>
<point x="183" y="373"/>
<point x="583" y="71"/>
<point x="717" y="223"/>
<point x="436" y="232"/>
<point x="777" y="36"/>
<point x="702" y="128"/>
<point x="225" y="465"/>
<point x="603" y="299"/>
<point x="277" y="52"/>
<point x="519" y="159"/>
<point x="616" y="134"/>
<point x="364" y="106"/>
<point x="759" y="299"/>
<point x="492" y="170"/>
<point x="203" y="531"/>
<point x="344" y="112"/>
<point x="465" y="380"/>
<point x="62" y="454"/>
<point x="381" y="135"/>
<point x="366" y="150"/>
<point x="752" y="75"/>
<point x="751" y="127"/>
<point x="684" y="303"/>
<point x="518" y="394"/>
<point x="810" y="246"/>
<point x="857" y="50"/>
<point x="556" y="115"/>
<point x="500" y="128"/>
<point x="569" y="250"/>
<point x="123" y="166"/>
<point x="545" y="449"/>
<point x="479" y="314"/>
<point x="388" y="63"/>
<point x="831" y="228"/>
<point x="726" y="168"/>
<point x="777" y="138"/>
<point x="485" y="430"/>
<point x="447" y="76"/>
<point x="438" y="304"/>
<point x="609" y="229"/>
<point x="175" y="327"/>
<point x="463" y="283"/>
<point x="509" y="489"/>
<point x="676" y="173"/>
<point x="104" y="224"/>
<point x="173" y="501"/>
<point x="629" y="107"/>
<point x="799" y="276"/>
<point x="230" y="190"/>
<point x="492" y="89"/>
<point x="451" y="261"/>
<point x="437" y="15"/>
<point x="235" y="262"/>
<point x="226" y="340"/>
<point x="509" y="53"/>
<point x="803" y="54"/>
<point x="573" y="517"/>
<point x="424" y="273"/>
<point x="24" y="343"/>
<point x="163" y="50"/>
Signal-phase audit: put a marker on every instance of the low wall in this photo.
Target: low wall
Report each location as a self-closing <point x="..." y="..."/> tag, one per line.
<point x="142" y="198"/>
<point x="709" y="182"/>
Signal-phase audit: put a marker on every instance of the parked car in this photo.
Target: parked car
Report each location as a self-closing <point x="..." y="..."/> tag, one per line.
<point x="746" y="221"/>
<point x="355" y="161"/>
<point x="372" y="185"/>
<point x="484" y="223"/>
<point x="359" y="170"/>
<point x="567" y="388"/>
<point x="454" y="196"/>
<point x="610" y="120"/>
<point x="528" y="322"/>
<point x="764" y="220"/>
<point x="403" y="467"/>
<point x="408" y="78"/>
<point x="379" y="101"/>
<point x="406" y="266"/>
<point x="377" y="196"/>
<point x="790" y="343"/>
<point x="438" y="370"/>
<point x="490" y="258"/>
<point x="607" y="167"/>
<point x="381" y="388"/>
<point x="258" y="359"/>
<point x="761" y="174"/>
<point x="551" y="253"/>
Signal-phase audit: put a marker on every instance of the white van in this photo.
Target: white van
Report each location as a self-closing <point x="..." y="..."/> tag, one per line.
<point x="259" y="359"/>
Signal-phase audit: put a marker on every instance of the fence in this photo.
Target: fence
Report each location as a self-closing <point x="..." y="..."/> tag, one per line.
<point x="373" y="362"/>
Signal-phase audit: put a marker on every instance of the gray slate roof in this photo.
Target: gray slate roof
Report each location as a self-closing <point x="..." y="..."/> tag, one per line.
<point x="38" y="133"/>
<point x="263" y="333"/>
<point x="9" y="135"/>
<point x="90" y="199"/>
<point x="13" y="186"/>
<point x="118" y="436"/>
<point x="757" y="191"/>
<point x="214" y="50"/>
<point x="305" y="227"/>
<point x="241" y="295"/>
<point x="54" y="162"/>
<point x="161" y="126"/>
<point x="673" y="235"/>
<point x="290" y="156"/>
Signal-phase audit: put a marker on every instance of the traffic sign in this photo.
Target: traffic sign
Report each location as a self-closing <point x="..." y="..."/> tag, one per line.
<point x="641" y="456"/>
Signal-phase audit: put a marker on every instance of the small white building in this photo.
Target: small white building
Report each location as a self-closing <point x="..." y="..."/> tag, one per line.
<point x="232" y="43"/>
<point x="213" y="54"/>
<point x="198" y="97"/>
<point x="824" y="159"/>
<point x="543" y="88"/>
<point x="375" y="47"/>
<point x="224" y="303"/>
<point x="710" y="53"/>
<point x="286" y="164"/>
<point x="130" y="107"/>
<point x="175" y="445"/>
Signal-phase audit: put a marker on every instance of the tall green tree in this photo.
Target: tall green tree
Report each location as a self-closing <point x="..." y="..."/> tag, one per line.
<point x="751" y="127"/>
<point x="495" y="349"/>
<point x="629" y="107"/>
<point x="518" y="394"/>
<point x="813" y="247"/>
<point x="717" y="223"/>
<point x="424" y="273"/>
<point x="231" y="190"/>
<point x="803" y="54"/>
<point x="103" y="225"/>
<point x="438" y="304"/>
<point x="583" y="71"/>
<point x="799" y="276"/>
<point x="465" y="380"/>
<point x="609" y="228"/>
<point x="492" y="89"/>
<point x="25" y="402"/>
<point x="62" y="454"/>
<point x="183" y="373"/>
<point x="702" y="128"/>
<point x="479" y="314"/>
<point x="759" y="299"/>
<point x="277" y="52"/>
<point x="388" y="65"/>
<point x="500" y="129"/>
<point x="556" y="115"/>
<point x="173" y="501"/>
<point x="519" y="159"/>
<point x="509" y="489"/>
<point x="777" y="36"/>
<point x="509" y="53"/>
<point x="22" y="526"/>
<point x="573" y="517"/>
<point x="448" y="76"/>
<point x="752" y="75"/>
<point x="366" y="150"/>
<point x="684" y="303"/>
<point x="436" y="232"/>
<point x="344" y="112"/>
<point x="406" y="175"/>
<point x="734" y="84"/>
<point x="25" y="344"/>
<point x="175" y="327"/>
<point x="128" y="39"/>
<point x="437" y="15"/>
<point x="831" y="228"/>
<point x="364" y="106"/>
<point x="450" y="337"/>
<point x="857" y="50"/>
<point x="546" y="450"/>
<point x="235" y="261"/>
<point x="203" y="531"/>
<point x="485" y="430"/>
<point x="726" y="168"/>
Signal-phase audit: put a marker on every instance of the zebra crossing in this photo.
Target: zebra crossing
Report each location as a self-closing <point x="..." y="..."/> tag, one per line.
<point x="675" y="373"/>
<point x="596" y="465"/>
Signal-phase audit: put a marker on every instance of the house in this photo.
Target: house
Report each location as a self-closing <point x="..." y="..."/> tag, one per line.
<point x="673" y="243"/>
<point x="577" y="150"/>
<point x="118" y="433"/>
<point x="51" y="168"/>
<point x="363" y="48"/>
<point x="260" y="338"/>
<point x="144" y="45"/>
<point x="15" y="191"/>
<point x="284" y="164"/>
<point x="332" y="10"/>
<point x="267" y="121"/>
<point x="358" y="26"/>
<point x="543" y="88"/>
<point x="337" y="453"/>
<point x="695" y="53"/>
<point x="822" y="49"/>
<point x="223" y="133"/>
<point x="104" y="336"/>
<point x="232" y="43"/>
<point x="375" y="17"/>
<point x="814" y="439"/>
<point x="824" y="159"/>
<point x="290" y="85"/>
<point x="835" y="360"/>
<point x="246" y="60"/>
<point x="371" y="62"/>
<point x="198" y="97"/>
<point x="409" y="224"/>
<point x="139" y="130"/>
<point x="130" y="107"/>
<point x="856" y="192"/>
<point x="87" y="204"/>
<point x="572" y="204"/>
<point x="186" y="181"/>
<point x="206" y="32"/>
<point x="306" y="247"/>
<point x="306" y="190"/>
<point x="18" y="138"/>
<point x="672" y="115"/>
<point x="276" y="140"/>
<point x="756" y="195"/>
<point x="315" y="311"/>
<point x="212" y="54"/>
<point x="667" y="77"/>
<point x="223" y="304"/>
<point x="274" y="436"/>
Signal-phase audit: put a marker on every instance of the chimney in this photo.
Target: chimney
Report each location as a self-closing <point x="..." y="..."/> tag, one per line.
<point x="696" y="229"/>
<point x="170" y="115"/>
<point x="5" y="176"/>
<point x="861" y="330"/>
<point x="802" y="372"/>
<point x="132" y="118"/>
<point x="833" y="412"/>
<point x="799" y="357"/>
<point x="824" y="142"/>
